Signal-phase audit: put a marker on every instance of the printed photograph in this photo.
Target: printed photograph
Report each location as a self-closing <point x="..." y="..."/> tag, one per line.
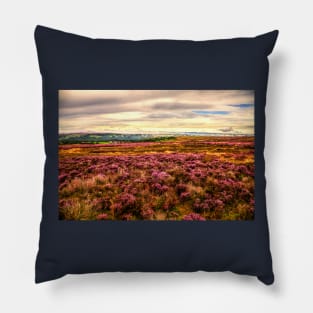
<point x="156" y="155"/>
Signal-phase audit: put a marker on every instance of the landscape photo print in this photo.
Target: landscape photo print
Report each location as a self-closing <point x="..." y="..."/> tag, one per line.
<point x="156" y="155"/>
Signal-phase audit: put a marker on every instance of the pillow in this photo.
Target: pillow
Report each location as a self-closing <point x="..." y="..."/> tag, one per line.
<point x="154" y="155"/>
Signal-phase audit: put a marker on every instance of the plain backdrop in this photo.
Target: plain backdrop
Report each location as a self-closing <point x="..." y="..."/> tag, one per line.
<point x="288" y="154"/>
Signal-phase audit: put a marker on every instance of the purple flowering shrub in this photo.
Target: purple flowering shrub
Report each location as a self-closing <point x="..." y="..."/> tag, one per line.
<point x="199" y="179"/>
<point x="193" y="217"/>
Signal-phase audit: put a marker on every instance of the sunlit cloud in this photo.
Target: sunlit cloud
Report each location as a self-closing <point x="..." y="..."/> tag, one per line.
<point x="226" y="129"/>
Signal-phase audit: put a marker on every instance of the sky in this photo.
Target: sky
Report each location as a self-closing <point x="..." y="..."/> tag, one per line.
<point x="157" y="111"/>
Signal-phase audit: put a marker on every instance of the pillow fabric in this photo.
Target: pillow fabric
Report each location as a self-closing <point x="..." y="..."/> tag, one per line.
<point x="154" y="155"/>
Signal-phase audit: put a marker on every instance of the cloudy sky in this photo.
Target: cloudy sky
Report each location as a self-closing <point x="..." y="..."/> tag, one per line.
<point x="156" y="111"/>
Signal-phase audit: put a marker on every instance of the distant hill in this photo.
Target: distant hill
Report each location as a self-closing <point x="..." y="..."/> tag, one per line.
<point x="110" y="137"/>
<point x="73" y="138"/>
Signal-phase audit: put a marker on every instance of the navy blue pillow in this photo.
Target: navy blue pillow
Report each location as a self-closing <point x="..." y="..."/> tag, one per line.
<point x="154" y="155"/>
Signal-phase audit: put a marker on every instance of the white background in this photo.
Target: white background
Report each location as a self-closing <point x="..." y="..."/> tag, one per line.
<point x="288" y="154"/>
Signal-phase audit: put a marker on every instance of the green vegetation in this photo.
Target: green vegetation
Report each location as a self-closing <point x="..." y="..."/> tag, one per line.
<point x="103" y="138"/>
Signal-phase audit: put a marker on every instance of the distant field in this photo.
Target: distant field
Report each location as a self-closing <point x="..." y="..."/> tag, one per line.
<point x="174" y="178"/>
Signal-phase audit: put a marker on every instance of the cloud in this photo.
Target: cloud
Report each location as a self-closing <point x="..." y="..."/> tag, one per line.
<point x="170" y="115"/>
<point x="179" y="106"/>
<point x="156" y="110"/>
<point x="226" y="129"/>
